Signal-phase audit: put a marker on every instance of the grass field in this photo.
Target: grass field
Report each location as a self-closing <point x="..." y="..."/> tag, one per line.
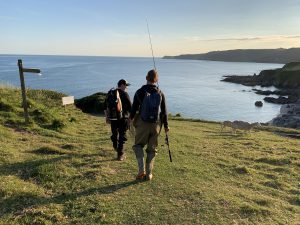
<point x="61" y="169"/>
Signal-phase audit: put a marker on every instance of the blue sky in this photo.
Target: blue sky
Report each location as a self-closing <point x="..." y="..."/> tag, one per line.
<point x="118" y="27"/>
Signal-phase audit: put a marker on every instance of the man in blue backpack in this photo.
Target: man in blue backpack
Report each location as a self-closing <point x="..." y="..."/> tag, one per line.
<point x="117" y="113"/>
<point x="150" y="102"/>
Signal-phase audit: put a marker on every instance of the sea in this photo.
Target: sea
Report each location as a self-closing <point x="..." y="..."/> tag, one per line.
<point x="193" y="88"/>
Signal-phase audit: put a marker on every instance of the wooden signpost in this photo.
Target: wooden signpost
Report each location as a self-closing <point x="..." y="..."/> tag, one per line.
<point x="21" y="72"/>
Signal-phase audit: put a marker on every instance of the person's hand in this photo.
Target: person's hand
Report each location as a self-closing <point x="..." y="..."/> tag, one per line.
<point x="167" y="129"/>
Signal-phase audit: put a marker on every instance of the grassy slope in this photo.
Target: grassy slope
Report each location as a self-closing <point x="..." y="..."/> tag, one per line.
<point x="69" y="176"/>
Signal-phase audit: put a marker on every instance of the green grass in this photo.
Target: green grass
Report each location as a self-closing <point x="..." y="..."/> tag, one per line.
<point x="69" y="175"/>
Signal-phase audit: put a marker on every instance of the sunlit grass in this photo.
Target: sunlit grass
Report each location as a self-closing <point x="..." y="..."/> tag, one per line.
<point x="70" y="175"/>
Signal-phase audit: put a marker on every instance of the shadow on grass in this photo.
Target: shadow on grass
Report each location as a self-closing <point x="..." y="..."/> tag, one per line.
<point x="218" y="135"/>
<point x="24" y="169"/>
<point x="92" y="160"/>
<point x="17" y="203"/>
<point x="28" y="170"/>
<point x="99" y="190"/>
<point x="274" y="161"/>
<point x="47" y="150"/>
<point x="290" y="135"/>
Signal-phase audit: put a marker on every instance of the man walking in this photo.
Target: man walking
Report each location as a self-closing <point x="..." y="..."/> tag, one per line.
<point x="150" y="102"/>
<point x="117" y="113"/>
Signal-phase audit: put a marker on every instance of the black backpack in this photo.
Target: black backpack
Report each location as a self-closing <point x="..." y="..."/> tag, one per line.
<point x="150" y="107"/>
<point x="114" y="104"/>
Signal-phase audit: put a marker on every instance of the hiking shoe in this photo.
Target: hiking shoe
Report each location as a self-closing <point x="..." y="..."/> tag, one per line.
<point x="149" y="176"/>
<point x="121" y="157"/>
<point x="141" y="176"/>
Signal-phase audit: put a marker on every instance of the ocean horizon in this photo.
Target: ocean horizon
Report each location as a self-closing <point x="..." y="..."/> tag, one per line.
<point x="192" y="87"/>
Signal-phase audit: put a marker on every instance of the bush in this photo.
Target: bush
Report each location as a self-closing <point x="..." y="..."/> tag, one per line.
<point x="6" y="107"/>
<point x="242" y="170"/>
<point x="92" y="104"/>
<point x="72" y="119"/>
<point x="57" y="124"/>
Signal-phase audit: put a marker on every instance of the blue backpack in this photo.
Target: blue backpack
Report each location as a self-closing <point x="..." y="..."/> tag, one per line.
<point x="150" y="107"/>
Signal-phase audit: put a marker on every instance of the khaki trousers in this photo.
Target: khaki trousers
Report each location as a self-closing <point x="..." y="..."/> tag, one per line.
<point x="146" y="134"/>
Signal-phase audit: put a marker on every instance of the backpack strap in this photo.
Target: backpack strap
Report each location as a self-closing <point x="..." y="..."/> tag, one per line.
<point x="119" y="99"/>
<point x="141" y="93"/>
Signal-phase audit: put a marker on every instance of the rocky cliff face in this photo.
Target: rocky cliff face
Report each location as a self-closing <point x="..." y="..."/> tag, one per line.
<point x="289" y="116"/>
<point x="286" y="77"/>
<point x="287" y="80"/>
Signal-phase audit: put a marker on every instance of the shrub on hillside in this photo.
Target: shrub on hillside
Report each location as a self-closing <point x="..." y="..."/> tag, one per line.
<point x="41" y="117"/>
<point x="57" y="124"/>
<point x="92" y="104"/>
<point x="5" y="106"/>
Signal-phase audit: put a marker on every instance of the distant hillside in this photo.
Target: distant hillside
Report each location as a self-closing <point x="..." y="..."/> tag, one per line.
<point x="280" y="55"/>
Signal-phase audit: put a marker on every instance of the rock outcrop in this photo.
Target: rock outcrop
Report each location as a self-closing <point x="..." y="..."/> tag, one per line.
<point x="282" y="100"/>
<point x="287" y="77"/>
<point x="289" y="116"/>
<point x="258" y="104"/>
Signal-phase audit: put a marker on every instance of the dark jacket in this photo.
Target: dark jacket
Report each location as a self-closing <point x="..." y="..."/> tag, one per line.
<point x="138" y="99"/>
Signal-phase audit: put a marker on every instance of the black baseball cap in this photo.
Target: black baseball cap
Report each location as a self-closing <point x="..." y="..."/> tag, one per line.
<point x="122" y="81"/>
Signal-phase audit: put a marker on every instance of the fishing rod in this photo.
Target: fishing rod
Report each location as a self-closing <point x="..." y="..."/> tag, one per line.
<point x="150" y="43"/>
<point x="167" y="138"/>
<point x="167" y="142"/>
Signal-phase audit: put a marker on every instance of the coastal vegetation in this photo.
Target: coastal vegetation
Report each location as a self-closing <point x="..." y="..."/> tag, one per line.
<point x="279" y="55"/>
<point x="64" y="172"/>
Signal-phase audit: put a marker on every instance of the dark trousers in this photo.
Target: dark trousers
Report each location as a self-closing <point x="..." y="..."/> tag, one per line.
<point x="118" y="137"/>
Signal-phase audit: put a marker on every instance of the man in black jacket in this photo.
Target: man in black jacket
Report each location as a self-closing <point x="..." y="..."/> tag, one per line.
<point x="120" y="125"/>
<point x="150" y="102"/>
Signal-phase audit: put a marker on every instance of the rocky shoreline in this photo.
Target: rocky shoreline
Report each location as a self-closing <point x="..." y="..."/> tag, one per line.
<point x="289" y="116"/>
<point x="286" y="95"/>
<point x="287" y="81"/>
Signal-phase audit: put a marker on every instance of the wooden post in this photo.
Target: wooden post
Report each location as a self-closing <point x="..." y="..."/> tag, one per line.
<point x="26" y="116"/>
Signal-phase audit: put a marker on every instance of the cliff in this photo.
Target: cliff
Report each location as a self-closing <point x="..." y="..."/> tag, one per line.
<point x="287" y="80"/>
<point x="286" y="77"/>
